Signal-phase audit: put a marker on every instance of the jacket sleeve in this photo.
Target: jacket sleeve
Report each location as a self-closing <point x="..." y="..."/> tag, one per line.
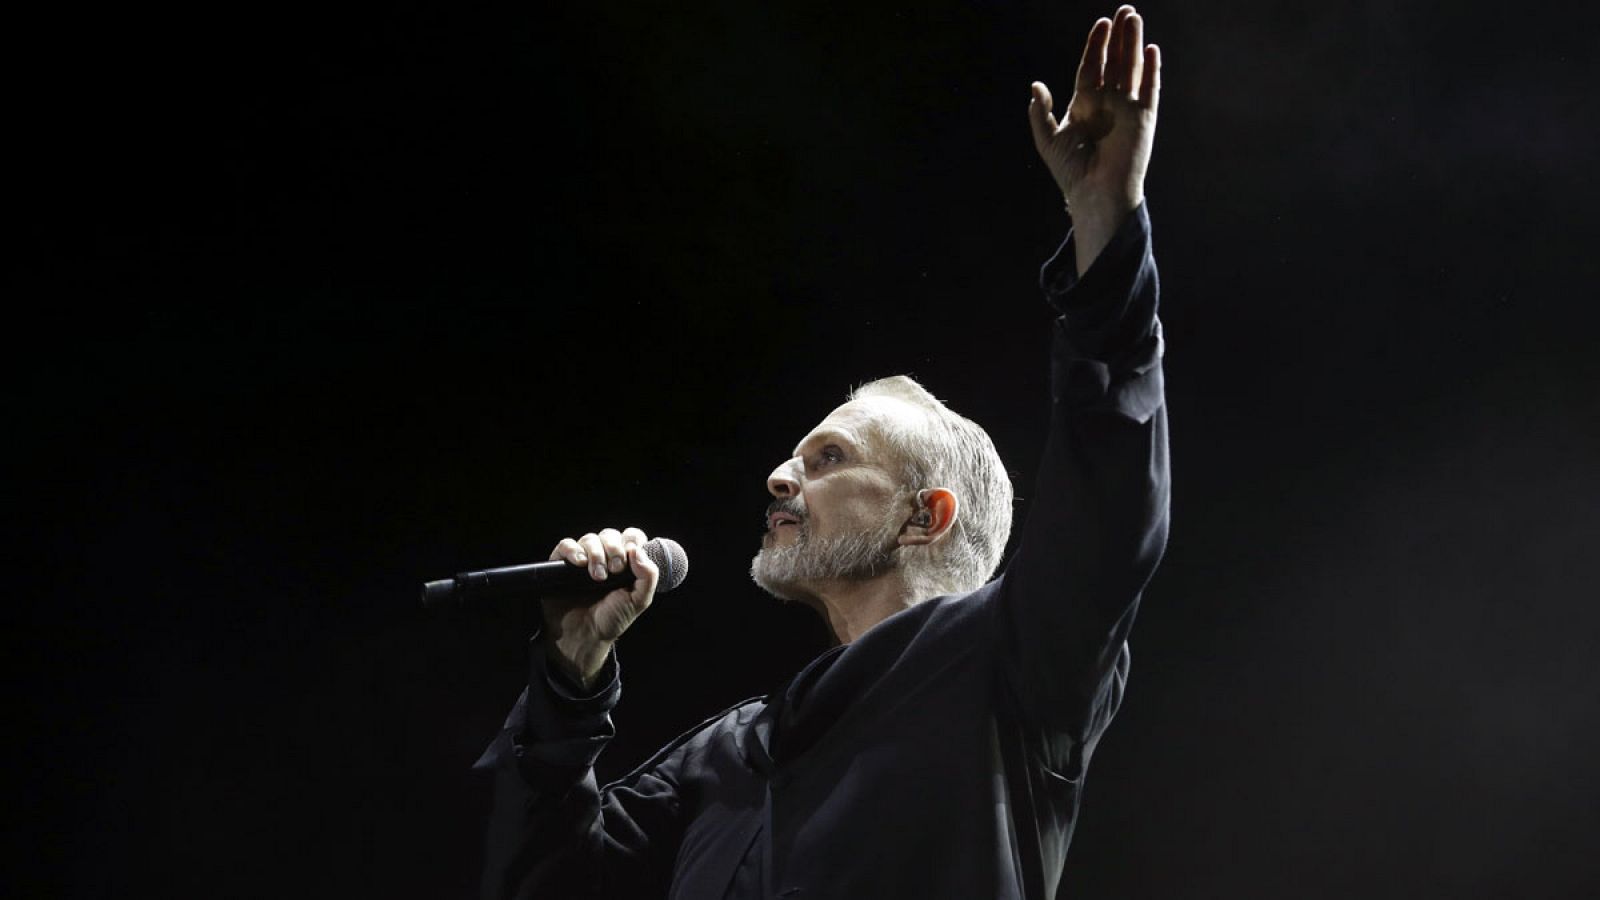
<point x="1097" y="522"/>
<point x="552" y="831"/>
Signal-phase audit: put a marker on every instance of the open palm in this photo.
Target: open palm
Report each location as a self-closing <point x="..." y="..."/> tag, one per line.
<point x="1099" y="155"/>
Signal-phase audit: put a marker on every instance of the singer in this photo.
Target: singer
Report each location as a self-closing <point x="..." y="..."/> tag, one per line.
<point x="940" y="749"/>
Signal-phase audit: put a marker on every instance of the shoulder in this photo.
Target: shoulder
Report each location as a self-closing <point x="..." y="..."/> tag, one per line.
<point x="724" y="732"/>
<point x="948" y="612"/>
<point x="949" y="625"/>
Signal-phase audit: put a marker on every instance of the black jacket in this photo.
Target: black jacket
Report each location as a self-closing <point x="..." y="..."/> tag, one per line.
<point x="941" y="754"/>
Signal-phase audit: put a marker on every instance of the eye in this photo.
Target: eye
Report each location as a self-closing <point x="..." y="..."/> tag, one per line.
<point x="830" y="455"/>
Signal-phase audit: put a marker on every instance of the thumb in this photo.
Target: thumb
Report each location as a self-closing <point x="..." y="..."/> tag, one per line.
<point x="645" y="574"/>
<point x="1041" y="93"/>
<point x="1041" y="120"/>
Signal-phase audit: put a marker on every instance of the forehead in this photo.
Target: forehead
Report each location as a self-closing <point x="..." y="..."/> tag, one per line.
<point x="863" y="422"/>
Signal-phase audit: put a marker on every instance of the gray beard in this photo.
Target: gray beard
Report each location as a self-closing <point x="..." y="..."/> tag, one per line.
<point x="783" y="571"/>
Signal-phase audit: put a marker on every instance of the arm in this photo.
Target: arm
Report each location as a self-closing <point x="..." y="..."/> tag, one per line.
<point x="552" y="831"/>
<point x="1098" y="522"/>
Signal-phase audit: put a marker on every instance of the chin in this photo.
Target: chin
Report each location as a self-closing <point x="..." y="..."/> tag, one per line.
<point x="762" y="571"/>
<point x="775" y="540"/>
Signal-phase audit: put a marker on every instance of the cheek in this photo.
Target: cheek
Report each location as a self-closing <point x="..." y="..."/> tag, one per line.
<point x="867" y="507"/>
<point x="848" y="500"/>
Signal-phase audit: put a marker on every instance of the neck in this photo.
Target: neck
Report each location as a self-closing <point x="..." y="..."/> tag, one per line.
<point x="852" y="607"/>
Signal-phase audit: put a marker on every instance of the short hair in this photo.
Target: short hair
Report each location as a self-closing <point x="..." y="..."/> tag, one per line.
<point x="954" y="452"/>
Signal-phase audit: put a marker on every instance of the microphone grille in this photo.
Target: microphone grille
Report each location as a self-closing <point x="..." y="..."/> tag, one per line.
<point x="669" y="557"/>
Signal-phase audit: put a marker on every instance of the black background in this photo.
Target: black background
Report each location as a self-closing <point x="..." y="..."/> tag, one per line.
<point x="312" y="307"/>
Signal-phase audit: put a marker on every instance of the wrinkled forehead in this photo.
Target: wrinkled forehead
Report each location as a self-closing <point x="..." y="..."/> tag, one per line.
<point x="866" y="423"/>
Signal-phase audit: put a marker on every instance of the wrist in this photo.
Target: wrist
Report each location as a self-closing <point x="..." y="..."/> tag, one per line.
<point x="1101" y="213"/>
<point x="1093" y="227"/>
<point x="579" y="662"/>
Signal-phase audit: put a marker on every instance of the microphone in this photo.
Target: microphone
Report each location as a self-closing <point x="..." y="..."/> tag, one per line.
<point x="558" y="577"/>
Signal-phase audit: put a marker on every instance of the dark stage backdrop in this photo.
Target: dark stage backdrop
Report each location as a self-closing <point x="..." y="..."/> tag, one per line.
<point x="311" y="307"/>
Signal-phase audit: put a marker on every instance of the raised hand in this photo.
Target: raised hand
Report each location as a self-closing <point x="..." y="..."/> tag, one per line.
<point x="580" y="631"/>
<point x="1099" y="155"/>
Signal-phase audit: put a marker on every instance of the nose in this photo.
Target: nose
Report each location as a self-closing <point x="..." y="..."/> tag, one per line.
<point x="785" y="479"/>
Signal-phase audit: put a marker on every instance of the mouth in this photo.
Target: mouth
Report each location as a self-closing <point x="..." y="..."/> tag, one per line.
<point x="778" y="520"/>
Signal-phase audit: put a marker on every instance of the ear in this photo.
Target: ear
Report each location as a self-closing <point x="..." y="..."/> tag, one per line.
<point x="931" y="520"/>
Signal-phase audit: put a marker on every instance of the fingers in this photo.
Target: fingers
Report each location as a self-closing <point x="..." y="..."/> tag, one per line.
<point x="634" y="536"/>
<point x="1150" y="87"/>
<point x="603" y="553"/>
<point x="570" y="551"/>
<point x="1115" y="78"/>
<point x="616" y="550"/>
<point x="1114" y="55"/>
<point x="1132" y="53"/>
<point x="595" y="552"/>
<point x="1092" y="67"/>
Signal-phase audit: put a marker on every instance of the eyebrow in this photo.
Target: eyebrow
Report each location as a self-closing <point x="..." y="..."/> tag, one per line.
<point x="832" y="435"/>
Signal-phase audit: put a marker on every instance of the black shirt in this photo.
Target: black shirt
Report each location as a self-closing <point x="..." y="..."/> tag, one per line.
<point x="942" y="753"/>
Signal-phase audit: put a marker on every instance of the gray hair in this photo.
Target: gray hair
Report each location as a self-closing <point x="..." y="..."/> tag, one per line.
<point x="951" y="451"/>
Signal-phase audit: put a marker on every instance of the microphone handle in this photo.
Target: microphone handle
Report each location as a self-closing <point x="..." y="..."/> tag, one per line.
<point x="532" y="580"/>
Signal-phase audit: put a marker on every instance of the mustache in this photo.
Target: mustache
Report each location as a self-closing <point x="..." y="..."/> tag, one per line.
<point x="787" y="506"/>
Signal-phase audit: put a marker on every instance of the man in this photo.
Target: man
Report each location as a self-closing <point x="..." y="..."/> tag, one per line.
<point x="939" y="749"/>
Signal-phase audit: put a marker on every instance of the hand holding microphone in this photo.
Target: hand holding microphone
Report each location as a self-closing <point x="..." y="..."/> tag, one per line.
<point x="580" y="631"/>
<point x="624" y="568"/>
